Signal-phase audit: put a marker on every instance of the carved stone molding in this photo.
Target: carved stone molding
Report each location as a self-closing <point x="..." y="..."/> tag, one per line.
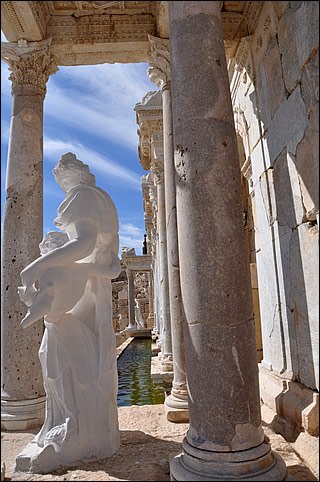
<point x="241" y="128"/>
<point x="30" y="63"/>
<point x="159" y="71"/>
<point x="149" y="119"/>
<point x="241" y="56"/>
<point x="246" y="169"/>
<point x="251" y="14"/>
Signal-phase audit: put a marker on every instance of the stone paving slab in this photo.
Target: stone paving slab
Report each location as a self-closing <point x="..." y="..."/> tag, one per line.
<point x="148" y="441"/>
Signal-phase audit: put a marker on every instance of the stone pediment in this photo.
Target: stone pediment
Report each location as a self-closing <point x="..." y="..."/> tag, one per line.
<point x="93" y="32"/>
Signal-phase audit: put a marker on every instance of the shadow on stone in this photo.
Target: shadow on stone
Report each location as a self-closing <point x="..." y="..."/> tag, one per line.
<point x="140" y="457"/>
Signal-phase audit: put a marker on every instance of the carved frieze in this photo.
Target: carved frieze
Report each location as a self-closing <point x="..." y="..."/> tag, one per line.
<point x="251" y="14"/>
<point x="29" y="63"/>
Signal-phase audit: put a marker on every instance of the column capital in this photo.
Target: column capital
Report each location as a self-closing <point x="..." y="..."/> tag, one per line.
<point x="30" y="63"/>
<point x="159" y="71"/>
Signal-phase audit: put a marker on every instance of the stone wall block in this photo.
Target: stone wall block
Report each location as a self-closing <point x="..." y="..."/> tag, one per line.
<point x="307" y="165"/>
<point x="274" y="79"/>
<point x="310" y="82"/>
<point x="259" y="108"/>
<point x="288" y="50"/>
<point x="304" y="276"/>
<point x="123" y="295"/>
<point x="306" y="30"/>
<point x="290" y="118"/>
<point x="287" y="194"/>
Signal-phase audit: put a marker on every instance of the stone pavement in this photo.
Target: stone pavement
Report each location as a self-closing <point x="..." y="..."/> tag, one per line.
<point x="148" y="441"/>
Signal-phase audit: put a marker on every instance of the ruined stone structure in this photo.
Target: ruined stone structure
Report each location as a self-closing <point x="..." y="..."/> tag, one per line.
<point x="230" y="149"/>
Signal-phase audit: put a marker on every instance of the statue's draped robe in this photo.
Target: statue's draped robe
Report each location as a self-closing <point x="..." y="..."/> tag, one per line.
<point x="78" y="354"/>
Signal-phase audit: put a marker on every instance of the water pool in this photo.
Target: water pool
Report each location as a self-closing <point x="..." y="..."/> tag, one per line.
<point x="135" y="386"/>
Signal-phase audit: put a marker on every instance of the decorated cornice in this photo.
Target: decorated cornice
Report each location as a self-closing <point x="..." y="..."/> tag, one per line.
<point x="149" y="120"/>
<point x="159" y="71"/>
<point x="30" y="63"/>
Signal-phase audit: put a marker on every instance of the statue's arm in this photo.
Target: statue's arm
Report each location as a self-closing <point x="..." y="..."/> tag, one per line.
<point x="78" y="248"/>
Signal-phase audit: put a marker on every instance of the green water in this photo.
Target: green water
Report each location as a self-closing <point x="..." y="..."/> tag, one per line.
<point x="135" y="386"/>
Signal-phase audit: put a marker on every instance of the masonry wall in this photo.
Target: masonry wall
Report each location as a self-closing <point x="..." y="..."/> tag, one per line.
<point x="274" y="87"/>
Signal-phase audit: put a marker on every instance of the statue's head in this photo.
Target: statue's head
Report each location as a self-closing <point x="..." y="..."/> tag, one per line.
<point x="52" y="240"/>
<point x="70" y="172"/>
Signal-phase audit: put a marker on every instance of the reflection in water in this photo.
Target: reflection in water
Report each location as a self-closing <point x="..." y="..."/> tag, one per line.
<point x="135" y="386"/>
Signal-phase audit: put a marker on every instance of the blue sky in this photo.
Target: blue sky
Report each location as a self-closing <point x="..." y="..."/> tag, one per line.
<point x="88" y="110"/>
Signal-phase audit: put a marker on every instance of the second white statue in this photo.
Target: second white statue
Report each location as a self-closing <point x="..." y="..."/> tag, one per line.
<point x="78" y="349"/>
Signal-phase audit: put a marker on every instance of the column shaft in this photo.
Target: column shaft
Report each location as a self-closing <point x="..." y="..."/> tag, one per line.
<point x="220" y="349"/>
<point x="177" y="403"/>
<point x="132" y="322"/>
<point x="22" y="232"/>
<point x="166" y="346"/>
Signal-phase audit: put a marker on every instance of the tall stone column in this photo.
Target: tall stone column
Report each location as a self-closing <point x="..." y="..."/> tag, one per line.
<point x="150" y="320"/>
<point x="132" y="322"/>
<point x="22" y="392"/>
<point x="225" y="440"/>
<point x="176" y="404"/>
<point x="157" y="168"/>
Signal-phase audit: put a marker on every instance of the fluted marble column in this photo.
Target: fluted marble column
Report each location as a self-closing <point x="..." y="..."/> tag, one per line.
<point x="132" y="319"/>
<point x="157" y="168"/>
<point x="225" y="440"/>
<point x="22" y="392"/>
<point x="176" y="404"/>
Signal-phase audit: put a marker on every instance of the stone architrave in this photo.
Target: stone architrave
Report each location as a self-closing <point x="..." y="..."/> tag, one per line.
<point x="157" y="168"/>
<point x="225" y="440"/>
<point x="22" y="393"/>
<point x="176" y="404"/>
<point x="78" y="349"/>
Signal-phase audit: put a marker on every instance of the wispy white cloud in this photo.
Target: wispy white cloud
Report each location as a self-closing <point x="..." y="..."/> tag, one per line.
<point x="131" y="236"/>
<point x="53" y="149"/>
<point x="106" y="112"/>
<point x="5" y="131"/>
<point x="5" y="82"/>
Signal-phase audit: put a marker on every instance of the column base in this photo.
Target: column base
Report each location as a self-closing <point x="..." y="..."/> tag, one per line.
<point x="166" y="363"/>
<point x="22" y="414"/>
<point x="258" y="463"/>
<point x="176" y="409"/>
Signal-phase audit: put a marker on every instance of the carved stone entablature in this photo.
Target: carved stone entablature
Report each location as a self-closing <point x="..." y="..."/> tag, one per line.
<point x="29" y="63"/>
<point x="25" y="20"/>
<point x="241" y="128"/>
<point x="241" y="57"/>
<point x="149" y="119"/>
<point x="246" y="169"/>
<point x="251" y="14"/>
<point x="159" y="70"/>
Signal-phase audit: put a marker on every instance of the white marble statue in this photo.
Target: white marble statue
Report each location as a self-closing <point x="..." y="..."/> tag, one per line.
<point x="138" y="315"/>
<point x="78" y="349"/>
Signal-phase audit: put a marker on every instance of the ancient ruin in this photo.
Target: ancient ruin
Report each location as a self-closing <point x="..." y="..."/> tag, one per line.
<point x="228" y="280"/>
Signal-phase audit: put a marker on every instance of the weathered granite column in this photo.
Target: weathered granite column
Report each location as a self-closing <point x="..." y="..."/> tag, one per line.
<point x="176" y="404"/>
<point x="225" y="440"/>
<point x="157" y="168"/>
<point x="132" y="318"/>
<point x="22" y="392"/>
